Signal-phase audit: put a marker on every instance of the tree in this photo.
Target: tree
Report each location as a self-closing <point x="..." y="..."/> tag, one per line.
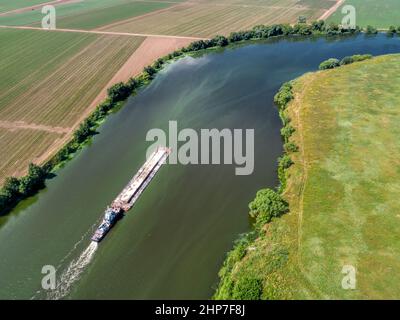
<point x="329" y="64"/>
<point x="318" y="25"/>
<point x="286" y="132"/>
<point x="119" y="92"/>
<point x="392" y="30"/>
<point x="291" y="147"/>
<point x="220" y="41"/>
<point x="284" y="95"/>
<point x="83" y="132"/>
<point x="266" y="205"/>
<point x="11" y="189"/>
<point x="371" y="30"/>
<point x="302" y="19"/>
<point x="150" y="71"/>
<point x="33" y="181"/>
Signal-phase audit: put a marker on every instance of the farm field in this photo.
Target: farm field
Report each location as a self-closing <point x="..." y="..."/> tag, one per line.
<point x="380" y="14"/>
<point x="19" y="147"/>
<point x="342" y="189"/>
<point x="6" y="5"/>
<point x="52" y="89"/>
<point x="207" y="18"/>
<point x="88" y="14"/>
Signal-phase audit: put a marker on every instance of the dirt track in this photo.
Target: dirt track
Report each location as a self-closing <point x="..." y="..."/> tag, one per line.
<point x="102" y="32"/>
<point x="23" y="125"/>
<point x="329" y="12"/>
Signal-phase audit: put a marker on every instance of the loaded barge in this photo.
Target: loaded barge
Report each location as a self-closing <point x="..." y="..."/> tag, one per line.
<point x="127" y="198"/>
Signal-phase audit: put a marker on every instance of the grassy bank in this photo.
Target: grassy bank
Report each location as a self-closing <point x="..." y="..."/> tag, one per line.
<point x="341" y="189"/>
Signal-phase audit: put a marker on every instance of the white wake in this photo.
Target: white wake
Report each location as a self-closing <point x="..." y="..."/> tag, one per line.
<point x="73" y="272"/>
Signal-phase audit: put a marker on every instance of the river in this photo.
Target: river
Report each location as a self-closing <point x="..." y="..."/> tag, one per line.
<point x="174" y="240"/>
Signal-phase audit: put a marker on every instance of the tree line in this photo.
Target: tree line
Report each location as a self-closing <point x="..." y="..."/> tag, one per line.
<point x="333" y="63"/>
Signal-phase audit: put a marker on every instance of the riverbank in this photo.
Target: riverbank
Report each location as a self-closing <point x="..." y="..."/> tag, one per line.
<point x="341" y="190"/>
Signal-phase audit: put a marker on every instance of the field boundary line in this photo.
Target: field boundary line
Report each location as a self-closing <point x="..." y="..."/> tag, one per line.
<point x="111" y="33"/>
<point x="332" y="10"/>
<point x="20" y="125"/>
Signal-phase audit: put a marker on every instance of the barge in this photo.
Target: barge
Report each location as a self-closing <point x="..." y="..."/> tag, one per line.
<point x="129" y="195"/>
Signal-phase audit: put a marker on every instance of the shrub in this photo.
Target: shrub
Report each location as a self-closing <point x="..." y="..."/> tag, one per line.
<point x="267" y="205"/>
<point x="332" y="29"/>
<point x="150" y="71"/>
<point x="119" y="92"/>
<point x="287" y="132"/>
<point x="361" y="57"/>
<point x="329" y="64"/>
<point x="83" y="132"/>
<point x="318" y="25"/>
<point x="284" y="95"/>
<point x="371" y="30"/>
<point x="10" y="189"/>
<point x="346" y="60"/>
<point x="285" y="161"/>
<point x="33" y="181"/>
<point x="291" y="147"/>
<point x="247" y="288"/>
<point x="220" y="41"/>
<point x="392" y="30"/>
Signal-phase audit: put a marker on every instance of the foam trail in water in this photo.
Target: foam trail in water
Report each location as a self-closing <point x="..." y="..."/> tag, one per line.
<point x="73" y="272"/>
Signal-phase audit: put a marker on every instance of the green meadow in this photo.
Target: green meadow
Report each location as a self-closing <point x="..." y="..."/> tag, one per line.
<point x="381" y="14"/>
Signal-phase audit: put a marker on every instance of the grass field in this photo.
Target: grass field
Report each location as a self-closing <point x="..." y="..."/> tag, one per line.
<point x="380" y="14"/>
<point x="49" y="79"/>
<point x="7" y="5"/>
<point x="16" y="145"/>
<point x="343" y="189"/>
<point x="208" y="18"/>
<point x="88" y="14"/>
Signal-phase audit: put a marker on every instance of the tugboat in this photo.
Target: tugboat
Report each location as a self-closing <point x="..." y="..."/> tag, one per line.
<point x="111" y="216"/>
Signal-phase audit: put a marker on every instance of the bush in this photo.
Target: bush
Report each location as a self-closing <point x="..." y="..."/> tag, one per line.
<point x="15" y="189"/>
<point x="392" y="30"/>
<point x="285" y="161"/>
<point x="220" y="41"/>
<point x="247" y="288"/>
<point x="267" y="205"/>
<point x="118" y="92"/>
<point x="371" y="30"/>
<point x="355" y="58"/>
<point x="286" y="132"/>
<point x="150" y="71"/>
<point x="329" y="64"/>
<point x="33" y="181"/>
<point x="318" y="25"/>
<point x="291" y="147"/>
<point x="83" y="132"/>
<point x="284" y="95"/>
<point x="10" y="189"/>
